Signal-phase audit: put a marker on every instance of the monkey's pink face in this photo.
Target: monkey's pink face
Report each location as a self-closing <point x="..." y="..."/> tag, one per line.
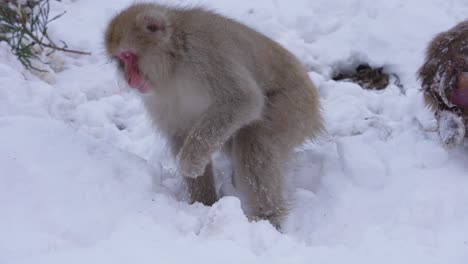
<point x="459" y="95"/>
<point x="132" y="74"/>
<point x="137" y="39"/>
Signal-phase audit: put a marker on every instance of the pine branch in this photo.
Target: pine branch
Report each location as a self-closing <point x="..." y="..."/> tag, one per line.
<point x="23" y="26"/>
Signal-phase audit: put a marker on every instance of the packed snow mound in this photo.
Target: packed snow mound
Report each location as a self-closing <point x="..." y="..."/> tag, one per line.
<point x="85" y="178"/>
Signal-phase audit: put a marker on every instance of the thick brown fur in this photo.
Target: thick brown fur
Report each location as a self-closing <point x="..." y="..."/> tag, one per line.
<point x="220" y="85"/>
<point x="446" y="58"/>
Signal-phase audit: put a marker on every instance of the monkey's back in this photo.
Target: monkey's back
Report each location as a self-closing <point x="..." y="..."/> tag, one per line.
<point x="259" y="53"/>
<point x="291" y="97"/>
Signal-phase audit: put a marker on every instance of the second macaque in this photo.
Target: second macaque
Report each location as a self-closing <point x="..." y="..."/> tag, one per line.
<point x="444" y="77"/>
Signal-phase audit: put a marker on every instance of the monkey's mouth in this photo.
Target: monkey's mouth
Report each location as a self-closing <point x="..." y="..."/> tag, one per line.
<point x="132" y="73"/>
<point x="459" y="97"/>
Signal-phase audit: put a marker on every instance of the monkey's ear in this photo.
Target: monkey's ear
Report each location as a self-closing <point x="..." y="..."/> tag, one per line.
<point x="152" y="21"/>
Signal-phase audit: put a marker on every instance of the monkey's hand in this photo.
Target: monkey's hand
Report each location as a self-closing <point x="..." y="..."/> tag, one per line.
<point x="191" y="162"/>
<point x="451" y="128"/>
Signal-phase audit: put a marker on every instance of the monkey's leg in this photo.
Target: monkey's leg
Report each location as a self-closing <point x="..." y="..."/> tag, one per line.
<point x="258" y="170"/>
<point x="202" y="189"/>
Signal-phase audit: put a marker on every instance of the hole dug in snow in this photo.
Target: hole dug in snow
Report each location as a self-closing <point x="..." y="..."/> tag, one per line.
<point x="368" y="77"/>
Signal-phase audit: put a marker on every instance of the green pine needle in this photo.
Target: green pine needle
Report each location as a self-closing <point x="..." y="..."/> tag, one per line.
<point x="24" y="27"/>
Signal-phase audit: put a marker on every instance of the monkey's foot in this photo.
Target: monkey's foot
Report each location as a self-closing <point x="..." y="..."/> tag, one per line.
<point x="451" y="129"/>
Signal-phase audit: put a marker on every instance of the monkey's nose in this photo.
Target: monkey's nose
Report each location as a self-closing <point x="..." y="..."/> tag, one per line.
<point x="125" y="55"/>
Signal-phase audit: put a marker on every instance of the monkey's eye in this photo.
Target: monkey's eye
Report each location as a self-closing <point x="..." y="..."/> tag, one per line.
<point x="152" y="27"/>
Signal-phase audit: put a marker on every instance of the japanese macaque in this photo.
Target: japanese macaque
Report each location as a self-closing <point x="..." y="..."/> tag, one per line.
<point x="444" y="77"/>
<point x="211" y="84"/>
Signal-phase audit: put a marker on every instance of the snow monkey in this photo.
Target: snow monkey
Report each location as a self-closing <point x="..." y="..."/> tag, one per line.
<point x="210" y="84"/>
<point x="444" y="77"/>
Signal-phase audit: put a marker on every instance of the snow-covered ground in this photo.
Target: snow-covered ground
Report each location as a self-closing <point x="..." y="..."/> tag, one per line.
<point x="84" y="178"/>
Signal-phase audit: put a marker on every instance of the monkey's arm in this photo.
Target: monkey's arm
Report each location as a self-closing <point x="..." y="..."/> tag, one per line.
<point x="235" y="106"/>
